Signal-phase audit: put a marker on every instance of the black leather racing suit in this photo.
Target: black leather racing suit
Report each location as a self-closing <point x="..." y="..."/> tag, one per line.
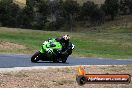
<point x="66" y="46"/>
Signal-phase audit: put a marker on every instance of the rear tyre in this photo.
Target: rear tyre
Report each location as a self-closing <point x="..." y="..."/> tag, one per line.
<point x="64" y="59"/>
<point x="35" y="57"/>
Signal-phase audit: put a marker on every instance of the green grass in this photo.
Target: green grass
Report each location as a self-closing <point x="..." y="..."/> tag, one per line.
<point x="92" y="44"/>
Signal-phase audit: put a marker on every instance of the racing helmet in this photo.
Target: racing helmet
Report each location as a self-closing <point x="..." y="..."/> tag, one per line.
<point x="66" y="37"/>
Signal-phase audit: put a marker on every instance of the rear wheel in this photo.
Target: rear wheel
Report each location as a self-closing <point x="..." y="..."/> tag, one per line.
<point x="64" y="59"/>
<point x="35" y="57"/>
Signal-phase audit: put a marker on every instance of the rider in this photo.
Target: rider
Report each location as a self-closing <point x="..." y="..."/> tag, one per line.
<point x="66" y="45"/>
<point x="64" y="40"/>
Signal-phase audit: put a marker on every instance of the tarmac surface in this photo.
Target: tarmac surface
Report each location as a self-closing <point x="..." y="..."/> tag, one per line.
<point x="11" y="61"/>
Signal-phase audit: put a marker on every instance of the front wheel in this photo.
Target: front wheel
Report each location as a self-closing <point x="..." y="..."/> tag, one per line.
<point x="35" y="57"/>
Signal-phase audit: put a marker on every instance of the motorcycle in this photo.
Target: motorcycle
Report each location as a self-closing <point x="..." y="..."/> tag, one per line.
<point x="51" y="50"/>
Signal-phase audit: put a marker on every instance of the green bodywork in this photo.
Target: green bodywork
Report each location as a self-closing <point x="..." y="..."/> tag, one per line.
<point x="48" y="49"/>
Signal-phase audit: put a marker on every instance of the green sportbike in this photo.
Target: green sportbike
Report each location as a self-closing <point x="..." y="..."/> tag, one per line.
<point x="51" y="50"/>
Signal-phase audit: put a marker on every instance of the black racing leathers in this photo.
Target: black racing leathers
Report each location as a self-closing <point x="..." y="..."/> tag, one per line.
<point x="66" y="46"/>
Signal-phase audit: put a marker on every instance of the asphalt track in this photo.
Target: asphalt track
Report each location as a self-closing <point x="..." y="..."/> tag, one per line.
<point x="11" y="61"/>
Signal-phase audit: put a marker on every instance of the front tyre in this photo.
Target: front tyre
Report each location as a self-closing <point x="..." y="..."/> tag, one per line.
<point x="35" y="57"/>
